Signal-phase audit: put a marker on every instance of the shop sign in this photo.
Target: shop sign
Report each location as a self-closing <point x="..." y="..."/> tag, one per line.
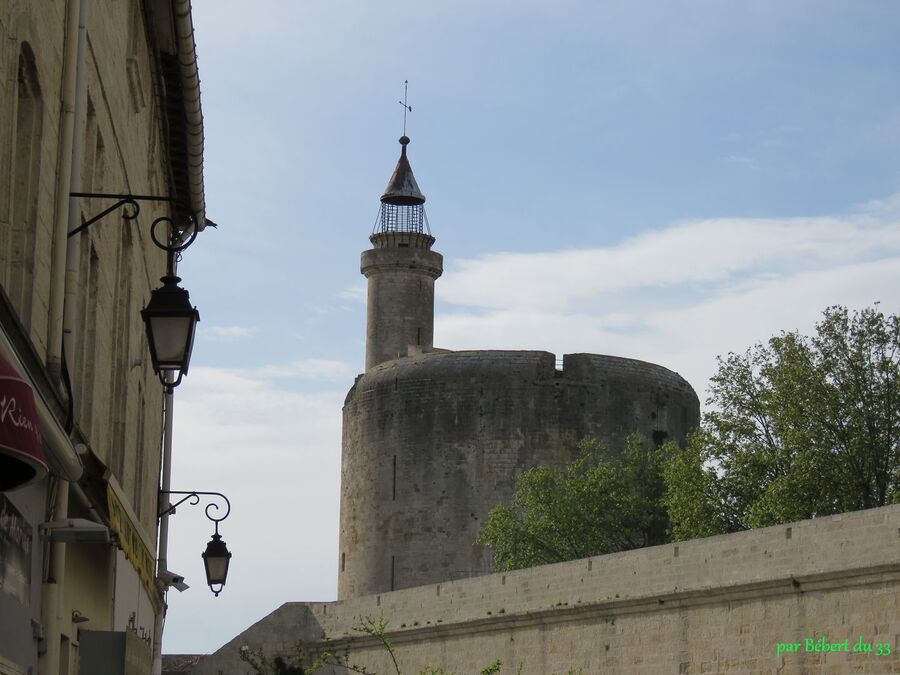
<point x="132" y="544"/>
<point x="21" y="455"/>
<point x="15" y="552"/>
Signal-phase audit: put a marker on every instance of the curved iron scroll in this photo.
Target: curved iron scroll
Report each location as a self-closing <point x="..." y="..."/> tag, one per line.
<point x="194" y="496"/>
<point x="175" y="242"/>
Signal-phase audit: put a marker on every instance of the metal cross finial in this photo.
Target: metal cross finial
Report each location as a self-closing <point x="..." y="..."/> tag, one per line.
<point x="406" y="106"/>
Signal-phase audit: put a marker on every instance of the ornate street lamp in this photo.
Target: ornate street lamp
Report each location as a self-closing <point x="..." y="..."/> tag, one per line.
<point x="170" y="321"/>
<point x="215" y="560"/>
<point x="169" y="317"/>
<point x="216" y="556"/>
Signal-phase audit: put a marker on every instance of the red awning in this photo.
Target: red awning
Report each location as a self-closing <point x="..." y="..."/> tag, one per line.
<point x="21" y="455"/>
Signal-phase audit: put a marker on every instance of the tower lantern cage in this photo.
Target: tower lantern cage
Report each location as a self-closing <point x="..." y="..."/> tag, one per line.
<point x="402" y="204"/>
<point x="402" y="218"/>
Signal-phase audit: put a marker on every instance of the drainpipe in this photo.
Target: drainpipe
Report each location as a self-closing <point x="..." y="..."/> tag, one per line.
<point x="68" y="171"/>
<point x="52" y="592"/>
<point x="70" y="298"/>
<point x="163" y="554"/>
<point x="71" y="68"/>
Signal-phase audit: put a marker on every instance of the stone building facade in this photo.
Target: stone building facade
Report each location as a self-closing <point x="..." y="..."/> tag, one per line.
<point x="432" y="439"/>
<point x="95" y="97"/>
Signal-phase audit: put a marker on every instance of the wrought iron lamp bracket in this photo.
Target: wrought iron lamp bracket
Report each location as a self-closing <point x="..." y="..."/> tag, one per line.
<point x="175" y="241"/>
<point x="194" y="496"/>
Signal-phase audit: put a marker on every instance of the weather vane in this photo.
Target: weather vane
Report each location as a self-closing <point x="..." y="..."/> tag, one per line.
<point x="406" y="106"/>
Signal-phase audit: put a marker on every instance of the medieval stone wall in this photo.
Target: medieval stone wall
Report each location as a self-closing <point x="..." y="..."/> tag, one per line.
<point x="720" y="604"/>
<point x="432" y="442"/>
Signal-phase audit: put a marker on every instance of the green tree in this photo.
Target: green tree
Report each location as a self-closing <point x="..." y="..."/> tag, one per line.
<point x="799" y="427"/>
<point x="599" y="503"/>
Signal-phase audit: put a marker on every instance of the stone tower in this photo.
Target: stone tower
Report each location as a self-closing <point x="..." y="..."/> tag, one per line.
<point x="433" y="439"/>
<point x="401" y="269"/>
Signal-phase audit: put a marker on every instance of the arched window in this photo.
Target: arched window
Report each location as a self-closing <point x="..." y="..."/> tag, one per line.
<point x="19" y="240"/>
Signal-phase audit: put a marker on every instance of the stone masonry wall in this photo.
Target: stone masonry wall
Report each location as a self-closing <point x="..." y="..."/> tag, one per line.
<point x="115" y="389"/>
<point x="401" y="271"/>
<point x="721" y="604"/>
<point x="117" y="397"/>
<point x="432" y="442"/>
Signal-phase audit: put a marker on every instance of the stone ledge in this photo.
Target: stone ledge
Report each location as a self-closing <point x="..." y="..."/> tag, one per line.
<point x="607" y="611"/>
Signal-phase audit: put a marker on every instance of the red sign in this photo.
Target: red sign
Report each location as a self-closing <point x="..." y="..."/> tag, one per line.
<point x="21" y="455"/>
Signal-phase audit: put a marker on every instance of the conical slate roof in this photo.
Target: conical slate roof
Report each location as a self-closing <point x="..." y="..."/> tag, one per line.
<point x="402" y="188"/>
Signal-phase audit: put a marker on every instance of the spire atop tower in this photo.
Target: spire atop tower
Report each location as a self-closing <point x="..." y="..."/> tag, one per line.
<point x="400" y="268"/>
<point x="402" y="204"/>
<point x="402" y="188"/>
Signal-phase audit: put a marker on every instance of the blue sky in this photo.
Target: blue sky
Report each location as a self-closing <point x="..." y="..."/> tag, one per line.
<point x="658" y="180"/>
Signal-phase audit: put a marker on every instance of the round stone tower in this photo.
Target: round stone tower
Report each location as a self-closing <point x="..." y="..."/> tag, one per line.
<point x="433" y="439"/>
<point x="401" y="269"/>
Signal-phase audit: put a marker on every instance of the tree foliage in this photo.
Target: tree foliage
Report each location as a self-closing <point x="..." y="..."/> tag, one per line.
<point x="799" y="427"/>
<point x="601" y="502"/>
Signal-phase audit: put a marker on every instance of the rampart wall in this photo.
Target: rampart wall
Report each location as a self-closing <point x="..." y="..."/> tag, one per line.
<point x="721" y="604"/>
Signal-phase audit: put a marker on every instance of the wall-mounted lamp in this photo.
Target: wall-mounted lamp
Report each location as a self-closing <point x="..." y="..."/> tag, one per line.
<point x="215" y="559"/>
<point x="216" y="556"/>
<point x="78" y="617"/>
<point x="170" y="321"/>
<point x="169" y="318"/>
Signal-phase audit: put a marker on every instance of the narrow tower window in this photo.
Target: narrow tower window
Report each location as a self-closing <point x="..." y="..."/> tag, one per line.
<point x="394" y="480"/>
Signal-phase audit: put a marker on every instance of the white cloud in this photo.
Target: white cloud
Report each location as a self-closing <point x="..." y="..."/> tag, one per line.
<point x="694" y="256"/>
<point x="678" y="296"/>
<point x="308" y="370"/>
<point x="226" y="333"/>
<point x="356" y="293"/>
<point x="740" y="159"/>
<point x="303" y="369"/>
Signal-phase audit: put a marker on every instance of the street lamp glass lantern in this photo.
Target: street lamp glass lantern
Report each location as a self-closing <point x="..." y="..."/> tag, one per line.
<point x="215" y="559"/>
<point x="170" y="321"/>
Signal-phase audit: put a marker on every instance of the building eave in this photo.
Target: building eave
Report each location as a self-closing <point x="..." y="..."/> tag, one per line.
<point x="171" y="33"/>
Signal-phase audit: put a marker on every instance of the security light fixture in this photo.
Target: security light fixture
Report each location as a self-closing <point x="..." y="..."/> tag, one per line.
<point x="75" y="531"/>
<point x="172" y="579"/>
<point x="170" y="321"/>
<point x="78" y="617"/>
